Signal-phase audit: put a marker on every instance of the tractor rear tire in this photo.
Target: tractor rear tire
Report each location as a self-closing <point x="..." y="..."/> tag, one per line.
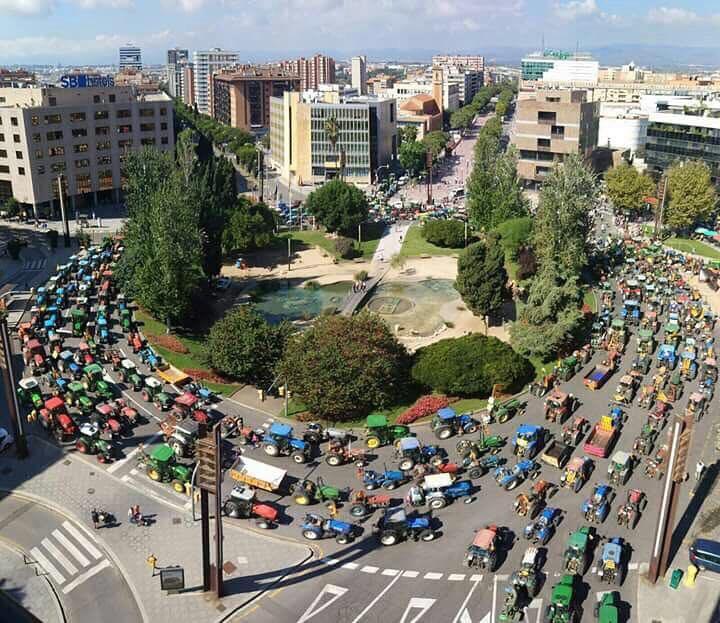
<point x="231" y="509"/>
<point x="503" y="418"/>
<point x="437" y="503"/>
<point x="342" y="539"/>
<point x="271" y="449"/>
<point x="299" y="457"/>
<point x="358" y="510"/>
<point x="154" y="474"/>
<point x="334" y="460"/>
<point x="263" y="524"/>
<point x="373" y="442"/>
<point x="311" y="535"/>
<point x="82" y="446"/>
<point x="406" y="465"/>
<point x="388" y="538"/>
<point x="471" y="430"/>
<point x="302" y="500"/>
<point x="389" y="485"/>
<point x="475" y="472"/>
<point x="435" y="460"/>
<point x="511" y="485"/>
<point x="178" y="449"/>
<point x="178" y="486"/>
<point x="443" y="432"/>
<point x="427" y="535"/>
<point x="145" y="395"/>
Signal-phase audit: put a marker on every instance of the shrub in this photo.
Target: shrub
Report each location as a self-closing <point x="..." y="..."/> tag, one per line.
<point x="424" y="406"/>
<point x="444" y="233"/>
<point x="470" y="366"/>
<point x="345" y="247"/>
<point x="514" y="234"/>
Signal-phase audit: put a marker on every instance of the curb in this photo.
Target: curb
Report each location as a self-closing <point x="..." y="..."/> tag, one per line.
<point x="65" y="513"/>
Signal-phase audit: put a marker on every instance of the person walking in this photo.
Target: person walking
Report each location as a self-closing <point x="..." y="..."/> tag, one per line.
<point x="131" y="514"/>
<point x="95" y="518"/>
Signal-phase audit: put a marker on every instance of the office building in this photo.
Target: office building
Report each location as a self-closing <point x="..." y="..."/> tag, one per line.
<point x="468" y="81"/>
<point x="358" y="71"/>
<point x="241" y="96"/>
<point x="205" y="64"/>
<point x="470" y="61"/>
<point x="554" y="68"/>
<point x="177" y="60"/>
<point x="83" y="134"/>
<point x="549" y="124"/>
<point x="378" y="85"/>
<point x="16" y="78"/>
<point x="300" y="145"/>
<point x="622" y="127"/>
<point x="130" y="57"/>
<point x="313" y="71"/>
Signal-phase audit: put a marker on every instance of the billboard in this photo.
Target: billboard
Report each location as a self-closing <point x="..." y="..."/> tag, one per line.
<point x="84" y="81"/>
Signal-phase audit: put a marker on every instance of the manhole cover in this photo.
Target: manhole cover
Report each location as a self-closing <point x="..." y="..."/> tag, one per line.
<point x="220" y="608"/>
<point x="91" y="491"/>
<point x="229" y="568"/>
<point x="176" y="521"/>
<point x="67" y="462"/>
<point x="92" y="473"/>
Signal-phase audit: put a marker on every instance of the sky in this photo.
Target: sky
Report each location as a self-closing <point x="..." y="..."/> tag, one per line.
<point x="90" y="31"/>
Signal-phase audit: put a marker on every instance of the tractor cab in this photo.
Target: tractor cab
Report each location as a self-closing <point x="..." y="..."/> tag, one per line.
<point x="92" y="375"/>
<point x="696" y="405"/>
<point x="610" y="570"/>
<point x="29" y="392"/>
<point x="378" y="432"/>
<point x="620" y="467"/>
<point x="446" y="422"/>
<point x="482" y="552"/>
<point x="396" y="526"/>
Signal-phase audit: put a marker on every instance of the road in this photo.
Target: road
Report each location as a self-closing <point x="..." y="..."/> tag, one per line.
<point x="90" y="585"/>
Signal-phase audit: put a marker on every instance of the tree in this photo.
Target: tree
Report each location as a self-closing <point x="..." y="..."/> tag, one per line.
<point x="482" y="278"/>
<point x="12" y="207"/>
<point x="345" y="366"/>
<point x="448" y="233"/>
<point x="514" y="235"/>
<point x="339" y="206"/>
<point x="435" y="142"/>
<point x="251" y="226"/>
<point x="462" y="118"/>
<point x="412" y="157"/>
<point x="248" y="156"/>
<point x="627" y="187"/>
<point x="407" y="134"/>
<point x="470" y="366"/>
<point x="244" y="346"/>
<point x="692" y="194"/>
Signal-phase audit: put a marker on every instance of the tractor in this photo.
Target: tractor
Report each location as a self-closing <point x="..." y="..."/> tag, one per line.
<point x="574" y="431"/>
<point x="566" y="368"/>
<point x="130" y="375"/>
<point x="278" y="441"/>
<point x="528" y="576"/>
<point x="510" y="477"/>
<point x="93" y="381"/>
<point x="620" y="468"/>
<point x="153" y="392"/>
<point x="512" y="608"/>
<point x="380" y="433"/>
<point x="645" y="441"/>
<point x="542" y="529"/>
<point x="34" y="354"/>
<point x="162" y="466"/>
<point x="186" y="405"/>
<point x="626" y="389"/>
<point x="395" y="526"/>
<point x="528" y="440"/>
<point x="559" y="406"/>
<point x="597" y="506"/>
<point x="612" y="568"/>
<point x="563" y="607"/>
<point x="363" y="504"/>
<point x="90" y="442"/>
<point x="183" y="438"/>
<point x="126" y="320"/>
<point x="543" y="386"/>
<point x="387" y="479"/>
<point x="629" y="513"/>
<point x="79" y="322"/>
<point x="501" y="412"/>
<point x="447" y="423"/>
<point x="115" y="417"/>
<point x="578" y="550"/>
<point x="410" y="452"/>
<point x="54" y="418"/>
<point x="607" y="610"/>
<point x="528" y="504"/>
<point x="242" y="504"/>
<point x="340" y="452"/>
<point x="486" y="443"/>
<point x="29" y="392"/>
<point x="696" y="406"/>
<point x="437" y="491"/>
<point x="477" y="466"/>
<point x="316" y="527"/>
<point x="482" y="552"/>
<point x="75" y="396"/>
<point x="308" y="492"/>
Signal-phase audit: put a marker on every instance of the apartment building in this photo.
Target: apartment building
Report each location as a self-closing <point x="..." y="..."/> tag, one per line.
<point x="468" y="81"/>
<point x="130" y="57"/>
<point x="300" y="145"/>
<point x="313" y="71"/>
<point x="81" y="134"/>
<point x="205" y="64"/>
<point x="177" y="60"/>
<point x="241" y="96"/>
<point x="358" y="71"/>
<point x="470" y="61"/>
<point x="549" y="125"/>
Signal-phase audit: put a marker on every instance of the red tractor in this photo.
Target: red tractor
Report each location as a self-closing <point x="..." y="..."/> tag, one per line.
<point x="34" y="355"/>
<point x="186" y="405"/>
<point x="243" y="504"/>
<point x="135" y="341"/>
<point x="55" y="419"/>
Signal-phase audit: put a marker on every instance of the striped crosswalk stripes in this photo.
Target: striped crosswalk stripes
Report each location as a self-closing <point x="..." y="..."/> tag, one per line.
<point x="47" y="565"/>
<point x="59" y="556"/>
<point x="69" y="546"/>
<point x="94" y="552"/>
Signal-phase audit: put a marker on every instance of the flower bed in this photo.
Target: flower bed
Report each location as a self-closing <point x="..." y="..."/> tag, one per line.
<point x="206" y="375"/>
<point x="170" y="342"/>
<point x="424" y="406"/>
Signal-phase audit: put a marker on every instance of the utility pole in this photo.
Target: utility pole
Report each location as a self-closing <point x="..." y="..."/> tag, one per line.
<point x="261" y="173"/>
<point x="9" y="384"/>
<point x="359" y="233"/>
<point x="660" y="211"/>
<point x="428" y="164"/>
<point x="289" y="252"/>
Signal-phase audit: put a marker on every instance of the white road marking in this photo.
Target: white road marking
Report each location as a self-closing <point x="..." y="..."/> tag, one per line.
<point x="486" y="618"/>
<point x="477" y="577"/>
<point x="47" y="565"/>
<point x="633" y="566"/>
<point x="494" y="598"/>
<point x="59" y="556"/>
<point x="330" y="561"/>
<point x="536" y="603"/>
<point x="417" y="603"/>
<point x="463" y="616"/>
<point x="350" y="565"/>
<point x="456" y="577"/>
<point x="118" y="464"/>
<point x="594" y="570"/>
<point x="599" y="595"/>
<point x="369" y="569"/>
<point x="134" y="471"/>
<point x="94" y="552"/>
<point x="390" y="572"/>
<point x="410" y="574"/>
<point x="335" y="591"/>
<point x="69" y="546"/>
<point x="377" y="598"/>
<point x="103" y="564"/>
<point x="242" y="560"/>
<point x="502" y="578"/>
<point x="431" y="575"/>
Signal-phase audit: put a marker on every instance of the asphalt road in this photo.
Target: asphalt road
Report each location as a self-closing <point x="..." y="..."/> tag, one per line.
<point x="89" y="584"/>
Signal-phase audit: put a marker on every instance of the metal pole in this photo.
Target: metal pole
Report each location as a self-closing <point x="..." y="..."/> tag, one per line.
<point x="11" y="398"/>
<point x="289" y="252"/>
<point x="205" y="537"/>
<point x="359" y="233"/>
<point x="218" y="512"/>
<point x="66" y="226"/>
<point x="286" y="400"/>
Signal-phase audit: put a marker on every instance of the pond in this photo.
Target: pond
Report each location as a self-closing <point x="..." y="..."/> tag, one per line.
<point x="281" y="299"/>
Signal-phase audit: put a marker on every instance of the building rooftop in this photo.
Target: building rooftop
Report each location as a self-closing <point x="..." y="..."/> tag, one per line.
<point x="253" y="72"/>
<point x="422" y="104"/>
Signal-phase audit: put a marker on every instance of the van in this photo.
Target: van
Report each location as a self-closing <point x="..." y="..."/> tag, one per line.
<point x="705" y="555"/>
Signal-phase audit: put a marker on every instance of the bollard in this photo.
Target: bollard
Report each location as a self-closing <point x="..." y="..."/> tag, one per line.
<point x="690" y="576"/>
<point x="261" y="395"/>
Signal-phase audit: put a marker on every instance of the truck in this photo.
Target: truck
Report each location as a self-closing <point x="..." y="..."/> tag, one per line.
<point x="257" y="474"/>
<point x="601" y="438"/>
<point x="556" y="454"/>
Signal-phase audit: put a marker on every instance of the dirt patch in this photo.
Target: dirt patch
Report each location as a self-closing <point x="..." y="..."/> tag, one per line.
<point x="170" y="342"/>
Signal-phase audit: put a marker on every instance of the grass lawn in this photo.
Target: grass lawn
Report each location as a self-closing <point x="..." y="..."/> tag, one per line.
<point x="590" y="300"/>
<point x="414" y="245"/>
<point x="371" y="234"/>
<point x="193" y="359"/>
<point x="693" y="246"/>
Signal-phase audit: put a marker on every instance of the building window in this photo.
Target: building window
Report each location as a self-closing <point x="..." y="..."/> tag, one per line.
<point x="147" y="141"/>
<point x="13" y="121"/>
<point x="54" y="136"/>
<point x="147" y="127"/>
<point x="112" y="98"/>
<point x="102" y="131"/>
<point x="147" y="112"/>
<point x="96" y="99"/>
<point x="125" y="144"/>
<point x="78" y="132"/>
<point x="105" y="179"/>
<point x="101" y="114"/>
<point x="164" y="140"/>
<point x="83" y="184"/>
<point x="39" y="154"/>
<point x="56" y="151"/>
<point x="35" y="120"/>
<point x="21" y="170"/>
<point x="3" y="153"/>
<point x="58" y="167"/>
<point x="18" y="155"/>
<point x="52" y="119"/>
<point x="123" y="114"/>
<point x="163" y="112"/>
<point x="2" y="138"/>
<point x="4" y="168"/>
<point x="124" y="129"/>
<point x="80" y="148"/>
<point x="103" y="146"/>
<point x="546" y="117"/>
<point x="36" y="138"/>
<point x="104" y="160"/>
<point x="83" y="163"/>
<point x="52" y="100"/>
<point x="16" y="138"/>
<point x="77" y="116"/>
<point x="41" y="169"/>
<point x="163" y="125"/>
<point x="557" y="131"/>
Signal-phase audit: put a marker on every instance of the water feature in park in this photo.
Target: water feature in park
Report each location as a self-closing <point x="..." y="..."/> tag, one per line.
<point x="281" y="299"/>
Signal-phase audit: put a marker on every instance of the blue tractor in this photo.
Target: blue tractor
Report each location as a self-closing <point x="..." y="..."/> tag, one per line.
<point x="528" y="440"/>
<point x="542" y="529"/>
<point x="612" y="568"/>
<point x="149" y="357"/>
<point x="279" y="441"/>
<point x="388" y="479"/>
<point x="410" y="453"/>
<point x="630" y="312"/>
<point x="437" y="491"/>
<point x="667" y="356"/>
<point x="510" y="477"/>
<point x="447" y="423"/>
<point x="395" y="526"/>
<point x="103" y="333"/>
<point x="316" y="527"/>
<point x="597" y="506"/>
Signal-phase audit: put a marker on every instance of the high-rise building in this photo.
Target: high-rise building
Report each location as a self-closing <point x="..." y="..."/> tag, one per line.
<point x="359" y="74"/>
<point x="177" y="59"/>
<point x="300" y="145"/>
<point x="470" y="61"/>
<point x="241" y="96"/>
<point x="176" y="55"/>
<point x="205" y="63"/>
<point x="468" y="81"/>
<point x="550" y="124"/>
<point x="130" y="57"/>
<point x="550" y="68"/>
<point x="313" y="71"/>
<point x="82" y="134"/>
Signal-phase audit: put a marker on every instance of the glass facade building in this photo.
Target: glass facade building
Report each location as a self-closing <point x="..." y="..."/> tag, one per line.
<point x="668" y="142"/>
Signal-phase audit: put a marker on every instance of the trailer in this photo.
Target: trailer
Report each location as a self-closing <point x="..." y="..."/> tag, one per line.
<point x="257" y="474"/>
<point x="597" y="377"/>
<point x="173" y="376"/>
<point x="557" y="454"/>
<point x="601" y="438"/>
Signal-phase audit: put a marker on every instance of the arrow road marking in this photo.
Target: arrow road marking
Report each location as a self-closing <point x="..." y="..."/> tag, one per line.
<point x="463" y="616"/>
<point x="331" y="589"/>
<point x="378" y="598"/>
<point x="486" y="618"/>
<point x="417" y="603"/>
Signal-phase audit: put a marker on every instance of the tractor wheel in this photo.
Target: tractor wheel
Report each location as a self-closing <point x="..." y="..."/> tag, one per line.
<point x="311" y="535"/>
<point x="358" y="510"/>
<point x="302" y="500"/>
<point x="82" y="446"/>
<point x="471" y="430"/>
<point x="154" y="474"/>
<point x="298" y="457"/>
<point x="145" y="395"/>
<point x="511" y="485"/>
<point x="435" y="460"/>
<point x="333" y="460"/>
<point x="372" y="442"/>
<point x="231" y="509"/>
<point x="475" y="472"/>
<point x="102" y="458"/>
<point x="462" y="446"/>
<point x="443" y="432"/>
<point x="437" y="503"/>
<point x="427" y="535"/>
<point x="503" y="418"/>
<point x="342" y="539"/>
<point x="495" y="450"/>
<point x="271" y="449"/>
<point x="263" y="524"/>
<point x="179" y="449"/>
<point x="178" y="486"/>
<point x="388" y="538"/>
<point x="389" y="485"/>
<point x="577" y="485"/>
<point x="406" y="465"/>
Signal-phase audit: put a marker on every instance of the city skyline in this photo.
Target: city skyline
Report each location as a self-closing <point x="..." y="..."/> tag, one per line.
<point x="91" y="31"/>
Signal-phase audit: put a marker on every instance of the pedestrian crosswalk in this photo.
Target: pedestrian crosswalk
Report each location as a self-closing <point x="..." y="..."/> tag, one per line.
<point x="69" y="557"/>
<point x="37" y="263"/>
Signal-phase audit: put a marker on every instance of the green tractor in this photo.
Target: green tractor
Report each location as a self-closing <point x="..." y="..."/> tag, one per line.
<point x="607" y="609"/>
<point x="380" y="433"/>
<point x="578" y="550"/>
<point x="90" y="442"/>
<point x="308" y="492"/>
<point x="93" y="381"/>
<point x="512" y="608"/>
<point x="29" y="393"/>
<point x="79" y="322"/>
<point x="567" y="368"/>
<point x="563" y="606"/>
<point x="153" y="392"/>
<point x="162" y="466"/>
<point x="126" y="320"/>
<point x="75" y="396"/>
<point x="501" y="412"/>
<point x="130" y="375"/>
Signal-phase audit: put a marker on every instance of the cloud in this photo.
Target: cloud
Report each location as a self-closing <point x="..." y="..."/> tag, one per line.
<point x="27" y="7"/>
<point x="104" y="4"/>
<point x="574" y="9"/>
<point x="672" y="16"/>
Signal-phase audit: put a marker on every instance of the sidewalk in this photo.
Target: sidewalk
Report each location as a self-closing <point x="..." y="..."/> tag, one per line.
<point x="253" y="562"/>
